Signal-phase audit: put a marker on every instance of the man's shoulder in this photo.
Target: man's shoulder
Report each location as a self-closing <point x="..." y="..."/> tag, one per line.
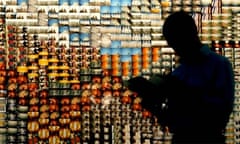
<point x="218" y="58"/>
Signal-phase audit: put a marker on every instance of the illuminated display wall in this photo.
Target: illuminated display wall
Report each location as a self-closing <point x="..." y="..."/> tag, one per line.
<point x="63" y="63"/>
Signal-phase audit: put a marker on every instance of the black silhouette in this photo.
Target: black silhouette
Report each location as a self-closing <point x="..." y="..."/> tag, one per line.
<point x="199" y="93"/>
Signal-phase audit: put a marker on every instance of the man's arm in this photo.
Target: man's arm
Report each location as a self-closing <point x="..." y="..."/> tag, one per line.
<point x="220" y="99"/>
<point x="152" y="92"/>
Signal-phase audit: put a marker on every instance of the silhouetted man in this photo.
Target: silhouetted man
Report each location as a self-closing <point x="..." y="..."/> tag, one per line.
<point x="199" y="92"/>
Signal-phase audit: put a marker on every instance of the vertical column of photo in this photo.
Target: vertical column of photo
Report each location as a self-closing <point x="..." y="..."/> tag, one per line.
<point x="3" y="77"/>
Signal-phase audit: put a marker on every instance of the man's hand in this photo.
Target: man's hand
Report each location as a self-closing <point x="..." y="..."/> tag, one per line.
<point x="140" y="85"/>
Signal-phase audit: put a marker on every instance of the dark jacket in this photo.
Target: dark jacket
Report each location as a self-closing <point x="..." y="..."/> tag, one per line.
<point x="199" y="97"/>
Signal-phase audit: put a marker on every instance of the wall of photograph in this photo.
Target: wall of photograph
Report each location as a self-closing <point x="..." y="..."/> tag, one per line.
<point x="63" y="64"/>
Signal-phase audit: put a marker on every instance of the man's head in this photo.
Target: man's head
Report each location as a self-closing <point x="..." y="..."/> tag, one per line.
<point x="180" y="31"/>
